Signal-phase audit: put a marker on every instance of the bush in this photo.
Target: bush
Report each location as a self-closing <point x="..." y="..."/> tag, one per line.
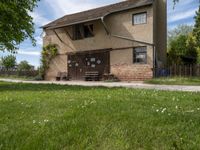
<point x="38" y="78"/>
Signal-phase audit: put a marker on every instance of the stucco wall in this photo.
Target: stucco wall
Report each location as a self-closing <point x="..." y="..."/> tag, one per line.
<point x="160" y="31"/>
<point x="58" y="64"/>
<point x="119" y="24"/>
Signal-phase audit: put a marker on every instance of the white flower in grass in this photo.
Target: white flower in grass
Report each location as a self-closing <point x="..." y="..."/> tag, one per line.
<point x="173" y="98"/>
<point x="93" y="102"/>
<point x="198" y="108"/>
<point x="157" y="110"/>
<point x="190" y="111"/>
<point x="164" y="109"/>
<point x="46" y="120"/>
<point x="176" y="107"/>
<point x="34" y="121"/>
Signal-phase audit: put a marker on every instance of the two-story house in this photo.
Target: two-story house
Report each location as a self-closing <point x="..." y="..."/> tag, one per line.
<point x="126" y="39"/>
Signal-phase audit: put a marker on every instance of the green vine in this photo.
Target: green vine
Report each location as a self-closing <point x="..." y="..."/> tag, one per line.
<point x="48" y="53"/>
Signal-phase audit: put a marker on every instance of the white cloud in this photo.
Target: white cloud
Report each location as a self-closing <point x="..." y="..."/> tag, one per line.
<point x="182" y="15"/>
<point x="39" y="40"/>
<point x="63" y="7"/>
<point x="29" y="52"/>
<point x="171" y="27"/>
<point x="39" y="19"/>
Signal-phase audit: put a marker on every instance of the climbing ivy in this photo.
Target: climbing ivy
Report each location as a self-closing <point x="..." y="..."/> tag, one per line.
<point x="48" y="53"/>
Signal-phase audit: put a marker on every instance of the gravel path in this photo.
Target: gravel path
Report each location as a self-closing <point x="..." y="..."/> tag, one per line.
<point x="136" y="85"/>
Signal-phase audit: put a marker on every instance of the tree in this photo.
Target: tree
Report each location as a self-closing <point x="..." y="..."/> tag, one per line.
<point x="182" y="50"/>
<point x="177" y="49"/>
<point x="9" y="61"/>
<point x="16" y="24"/>
<point x="179" y="30"/>
<point x="192" y="51"/>
<point x="196" y="30"/>
<point x="24" y="66"/>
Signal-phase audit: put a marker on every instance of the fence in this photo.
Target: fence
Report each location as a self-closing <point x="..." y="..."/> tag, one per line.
<point x="31" y="73"/>
<point x="178" y="70"/>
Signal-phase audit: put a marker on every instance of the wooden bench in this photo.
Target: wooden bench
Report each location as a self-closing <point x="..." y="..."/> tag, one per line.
<point x="92" y="76"/>
<point x="62" y="76"/>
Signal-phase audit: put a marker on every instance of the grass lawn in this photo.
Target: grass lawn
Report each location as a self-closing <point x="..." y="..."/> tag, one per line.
<point x="84" y="118"/>
<point x="175" y="81"/>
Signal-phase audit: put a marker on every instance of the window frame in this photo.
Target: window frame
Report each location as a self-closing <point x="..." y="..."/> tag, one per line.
<point x="133" y="20"/>
<point x="92" y="34"/>
<point x="77" y="28"/>
<point x="135" y="54"/>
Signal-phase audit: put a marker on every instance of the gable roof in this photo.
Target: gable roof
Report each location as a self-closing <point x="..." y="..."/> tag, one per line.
<point x="97" y="13"/>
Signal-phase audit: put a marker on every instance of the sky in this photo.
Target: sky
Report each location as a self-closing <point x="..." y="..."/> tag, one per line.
<point x="49" y="10"/>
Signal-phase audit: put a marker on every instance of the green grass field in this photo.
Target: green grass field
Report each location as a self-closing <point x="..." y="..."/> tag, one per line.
<point x="175" y="81"/>
<point x="82" y="118"/>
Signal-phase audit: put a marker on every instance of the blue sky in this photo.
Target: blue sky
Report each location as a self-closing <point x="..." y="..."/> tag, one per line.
<point x="48" y="10"/>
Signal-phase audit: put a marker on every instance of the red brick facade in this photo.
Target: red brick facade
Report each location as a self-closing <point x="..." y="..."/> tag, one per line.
<point x="139" y="72"/>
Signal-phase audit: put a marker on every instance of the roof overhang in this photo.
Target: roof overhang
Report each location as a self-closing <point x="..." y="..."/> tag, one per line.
<point x="70" y="24"/>
<point x="94" y="19"/>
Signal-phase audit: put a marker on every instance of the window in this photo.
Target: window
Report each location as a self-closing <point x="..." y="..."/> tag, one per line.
<point x="140" y="55"/>
<point x="82" y="31"/>
<point x="88" y="31"/>
<point x="77" y="29"/>
<point x="140" y="18"/>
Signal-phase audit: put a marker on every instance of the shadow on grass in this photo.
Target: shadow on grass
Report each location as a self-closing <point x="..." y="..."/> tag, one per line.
<point x="4" y="86"/>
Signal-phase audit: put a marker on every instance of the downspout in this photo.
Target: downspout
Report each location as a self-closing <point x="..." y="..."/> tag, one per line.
<point x="154" y="61"/>
<point x="130" y="39"/>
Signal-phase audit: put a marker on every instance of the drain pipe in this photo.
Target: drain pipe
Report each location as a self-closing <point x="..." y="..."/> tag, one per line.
<point x="130" y="39"/>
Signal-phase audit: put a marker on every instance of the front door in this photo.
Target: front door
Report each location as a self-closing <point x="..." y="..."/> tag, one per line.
<point x="75" y="67"/>
<point x="78" y="64"/>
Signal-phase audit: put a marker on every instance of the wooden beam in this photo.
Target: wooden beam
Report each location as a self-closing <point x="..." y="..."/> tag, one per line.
<point x="81" y="29"/>
<point x="68" y="34"/>
<point x="90" y="30"/>
<point x="89" y="51"/>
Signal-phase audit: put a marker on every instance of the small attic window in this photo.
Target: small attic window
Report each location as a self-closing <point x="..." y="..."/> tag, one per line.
<point x="88" y="31"/>
<point x="77" y="32"/>
<point x="82" y="31"/>
<point x="140" y="18"/>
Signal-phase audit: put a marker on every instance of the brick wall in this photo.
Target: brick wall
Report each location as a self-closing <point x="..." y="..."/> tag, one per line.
<point x="127" y="72"/>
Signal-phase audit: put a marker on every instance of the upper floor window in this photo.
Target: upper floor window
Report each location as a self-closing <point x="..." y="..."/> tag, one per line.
<point x="140" y="18"/>
<point x="81" y="31"/>
<point x="77" y="32"/>
<point x="88" y="31"/>
<point x="140" y="55"/>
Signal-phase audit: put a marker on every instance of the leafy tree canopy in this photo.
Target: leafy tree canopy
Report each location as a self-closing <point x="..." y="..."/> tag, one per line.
<point x="182" y="50"/>
<point x="16" y="24"/>
<point x="24" y="66"/>
<point x="196" y="30"/>
<point x="8" y="62"/>
<point x="179" y="30"/>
